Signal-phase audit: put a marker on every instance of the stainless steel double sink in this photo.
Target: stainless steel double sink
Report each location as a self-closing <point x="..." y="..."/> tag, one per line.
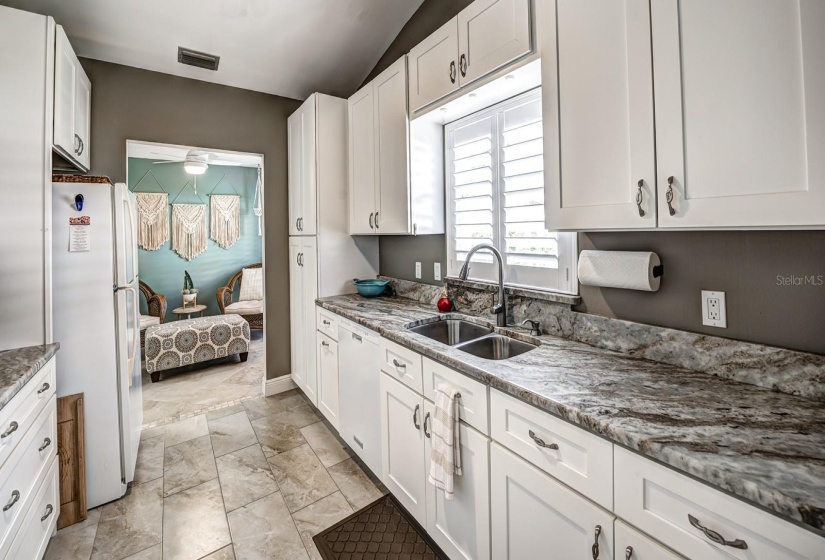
<point x="475" y="339"/>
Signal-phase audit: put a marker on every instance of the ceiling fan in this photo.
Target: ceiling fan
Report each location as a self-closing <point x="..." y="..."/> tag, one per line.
<point x="196" y="162"/>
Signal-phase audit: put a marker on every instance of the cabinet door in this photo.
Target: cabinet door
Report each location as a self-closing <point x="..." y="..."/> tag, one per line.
<point x="402" y="446"/>
<point x="328" y="378"/>
<point x="634" y="545"/>
<point x="82" y="117"/>
<point x="597" y="103"/>
<point x="535" y="517"/>
<point x="740" y="112"/>
<point x="65" y="89"/>
<point x="309" y="175"/>
<point x="433" y="66"/>
<point x="296" y="313"/>
<point x="461" y="526"/>
<point x="491" y="33"/>
<point x="362" y="192"/>
<point x="392" y="169"/>
<point x="295" y="146"/>
<point x="309" y="279"/>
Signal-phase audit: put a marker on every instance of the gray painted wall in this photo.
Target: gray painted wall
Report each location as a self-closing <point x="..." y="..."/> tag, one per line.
<point x="163" y="268"/>
<point x="133" y="104"/>
<point x="745" y="265"/>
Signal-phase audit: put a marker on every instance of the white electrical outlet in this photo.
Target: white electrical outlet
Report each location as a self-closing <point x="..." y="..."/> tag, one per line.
<point x="713" y="309"/>
<point x="437" y="271"/>
<point x="418" y="270"/>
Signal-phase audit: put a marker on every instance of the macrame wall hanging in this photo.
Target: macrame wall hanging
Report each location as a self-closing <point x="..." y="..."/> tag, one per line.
<point x="153" y="215"/>
<point x="225" y="212"/>
<point x="257" y="207"/>
<point x="188" y="228"/>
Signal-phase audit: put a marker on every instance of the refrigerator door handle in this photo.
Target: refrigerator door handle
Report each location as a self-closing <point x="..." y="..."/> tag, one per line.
<point x="134" y="233"/>
<point x="135" y="336"/>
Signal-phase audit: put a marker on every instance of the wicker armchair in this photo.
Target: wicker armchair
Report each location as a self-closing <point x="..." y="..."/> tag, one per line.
<point x="156" y="303"/>
<point x="255" y="317"/>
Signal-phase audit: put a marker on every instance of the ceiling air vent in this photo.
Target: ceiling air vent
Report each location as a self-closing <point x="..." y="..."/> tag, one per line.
<point x="199" y="59"/>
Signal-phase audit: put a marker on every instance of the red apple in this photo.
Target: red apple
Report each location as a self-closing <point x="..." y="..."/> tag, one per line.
<point x="445" y="305"/>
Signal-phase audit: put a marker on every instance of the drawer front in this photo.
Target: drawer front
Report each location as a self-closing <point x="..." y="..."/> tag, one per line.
<point x="33" y="538"/>
<point x="327" y="322"/>
<point x="473" y="404"/>
<point x="21" y="412"/>
<point x="401" y="364"/>
<point x="24" y="469"/>
<point x="578" y="458"/>
<point x="659" y="500"/>
<point x="633" y="545"/>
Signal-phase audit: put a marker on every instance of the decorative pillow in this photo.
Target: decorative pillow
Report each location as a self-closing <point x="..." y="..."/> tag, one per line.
<point x="252" y="284"/>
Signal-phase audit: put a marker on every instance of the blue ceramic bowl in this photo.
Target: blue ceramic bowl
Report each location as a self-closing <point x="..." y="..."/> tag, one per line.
<point x="370" y="288"/>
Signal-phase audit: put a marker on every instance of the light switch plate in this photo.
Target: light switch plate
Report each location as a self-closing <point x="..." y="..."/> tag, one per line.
<point x="713" y="309"/>
<point x="437" y="271"/>
<point x="418" y="270"/>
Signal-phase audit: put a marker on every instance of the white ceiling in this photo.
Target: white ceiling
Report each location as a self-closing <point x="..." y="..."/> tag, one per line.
<point x="284" y="47"/>
<point x="173" y="152"/>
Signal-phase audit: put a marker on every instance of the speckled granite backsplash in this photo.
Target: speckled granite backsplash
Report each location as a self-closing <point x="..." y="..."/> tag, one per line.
<point x="786" y="371"/>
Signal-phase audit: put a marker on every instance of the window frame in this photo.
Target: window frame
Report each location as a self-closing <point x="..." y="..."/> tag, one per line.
<point x="564" y="278"/>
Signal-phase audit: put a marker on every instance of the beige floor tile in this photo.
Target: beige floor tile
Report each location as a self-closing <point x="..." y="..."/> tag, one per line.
<point x="319" y="516"/>
<point x="327" y="447"/>
<point x="154" y="411"/>
<point x="151" y="433"/>
<point x="299" y="415"/>
<point x="194" y="523"/>
<point x="276" y="436"/>
<point x="260" y="408"/>
<point x="231" y="433"/>
<point x="226" y="553"/>
<point x="356" y="486"/>
<point x="149" y="460"/>
<point x="75" y="541"/>
<point x="131" y="524"/>
<point x="245" y="476"/>
<point x="188" y="464"/>
<point x="225" y="411"/>
<point x="151" y="553"/>
<point x="184" y="430"/>
<point x="264" y="530"/>
<point x="293" y="401"/>
<point x="301" y="476"/>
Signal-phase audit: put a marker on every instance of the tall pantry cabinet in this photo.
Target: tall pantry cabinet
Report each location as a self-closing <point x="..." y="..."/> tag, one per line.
<point x="323" y="258"/>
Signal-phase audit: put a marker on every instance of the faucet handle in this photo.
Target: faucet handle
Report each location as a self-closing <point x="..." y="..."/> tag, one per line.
<point x="535" y="327"/>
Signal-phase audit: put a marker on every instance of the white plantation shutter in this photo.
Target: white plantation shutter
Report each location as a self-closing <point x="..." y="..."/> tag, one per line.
<point x="496" y="195"/>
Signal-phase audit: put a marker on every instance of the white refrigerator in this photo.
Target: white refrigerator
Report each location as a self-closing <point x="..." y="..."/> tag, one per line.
<point x="96" y="321"/>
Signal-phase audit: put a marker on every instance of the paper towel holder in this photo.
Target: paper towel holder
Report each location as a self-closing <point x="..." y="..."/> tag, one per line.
<point x="658" y="271"/>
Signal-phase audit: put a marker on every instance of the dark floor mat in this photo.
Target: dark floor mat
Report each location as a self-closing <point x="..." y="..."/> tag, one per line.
<point x="383" y="530"/>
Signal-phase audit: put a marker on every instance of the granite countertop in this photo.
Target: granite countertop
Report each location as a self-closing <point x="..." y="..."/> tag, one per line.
<point x="762" y="446"/>
<point x="18" y="366"/>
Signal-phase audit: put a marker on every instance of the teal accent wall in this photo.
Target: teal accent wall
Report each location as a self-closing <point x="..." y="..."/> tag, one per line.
<point x="163" y="269"/>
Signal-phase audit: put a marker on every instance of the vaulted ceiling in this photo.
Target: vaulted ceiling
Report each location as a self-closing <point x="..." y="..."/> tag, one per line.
<point x="284" y="47"/>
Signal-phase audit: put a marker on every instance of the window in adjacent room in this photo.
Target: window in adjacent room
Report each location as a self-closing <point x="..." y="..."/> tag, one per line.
<point x="495" y="182"/>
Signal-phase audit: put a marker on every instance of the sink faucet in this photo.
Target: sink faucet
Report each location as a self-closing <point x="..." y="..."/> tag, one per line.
<point x="500" y="309"/>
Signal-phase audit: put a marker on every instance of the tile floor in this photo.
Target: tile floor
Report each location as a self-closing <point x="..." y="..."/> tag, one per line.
<point x="197" y="389"/>
<point x="255" y="480"/>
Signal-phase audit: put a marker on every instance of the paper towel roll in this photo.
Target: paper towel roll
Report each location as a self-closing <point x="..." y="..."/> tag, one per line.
<point x="631" y="270"/>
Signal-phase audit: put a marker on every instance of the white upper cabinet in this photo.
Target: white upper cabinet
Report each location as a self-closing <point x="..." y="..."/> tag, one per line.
<point x="491" y="33"/>
<point x="362" y="193"/>
<point x="301" y="140"/>
<point x="434" y="66"/>
<point x="740" y="112"/>
<point x="72" y="104"/>
<point x="597" y="102"/>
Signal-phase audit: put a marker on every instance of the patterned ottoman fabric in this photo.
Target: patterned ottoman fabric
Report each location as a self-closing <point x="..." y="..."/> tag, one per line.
<point x="181" y="343"/>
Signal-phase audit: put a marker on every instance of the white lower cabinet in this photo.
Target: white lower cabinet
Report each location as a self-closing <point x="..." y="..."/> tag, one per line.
<point x="535" y="517"/>
<point x="327" y="359"/>
<point x="303" y="289"/>
<point x="633" y="545"/>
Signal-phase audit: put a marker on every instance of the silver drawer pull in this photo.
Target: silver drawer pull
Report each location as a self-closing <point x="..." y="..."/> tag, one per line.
<point x="49" y="510"/>
<point x="12" y="428"/>
<point x="398" y="364"/>
<point x="14" y="497"/>
<point x="46" y="442"/>
<point x="356" y="337"/>
<point x="324" y="343"/>
<point x="716" y="537"/>
<point x="415" y="417"/>
<point x="43" y="389"/>
<point x="595" y="548"/>
<point x="628" y="553"/>
<point x="326" y="322"/>
<point x="541" y="443"/>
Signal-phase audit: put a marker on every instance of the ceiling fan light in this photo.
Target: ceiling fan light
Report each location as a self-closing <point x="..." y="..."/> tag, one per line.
<point x="195" y="167"/>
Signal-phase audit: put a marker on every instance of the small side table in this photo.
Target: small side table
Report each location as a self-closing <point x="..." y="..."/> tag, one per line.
<point x="189" y="311"/>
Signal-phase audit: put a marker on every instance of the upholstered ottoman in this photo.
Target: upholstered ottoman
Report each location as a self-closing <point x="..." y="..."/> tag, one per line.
<point x="191" y="341"/>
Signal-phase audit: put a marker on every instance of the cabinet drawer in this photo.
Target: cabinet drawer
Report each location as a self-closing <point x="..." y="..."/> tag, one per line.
<point x="473" y="405"/>
<point x="633" y="545"/>
<point x="659" y="500"/>
<point x="402" y="364"/>
<point x="24" y="469"/>
<point x="578" y="458"/>
<point x="34" y="534"/>
<point x="327" y="322"/>
<point x="21" y="412"/>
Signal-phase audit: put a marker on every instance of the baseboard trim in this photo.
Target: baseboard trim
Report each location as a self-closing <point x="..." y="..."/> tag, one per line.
<point x="278" y="385"/>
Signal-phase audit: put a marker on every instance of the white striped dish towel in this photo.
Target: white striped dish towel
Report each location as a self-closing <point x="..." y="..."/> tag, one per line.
<point x="445" y="453"/>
